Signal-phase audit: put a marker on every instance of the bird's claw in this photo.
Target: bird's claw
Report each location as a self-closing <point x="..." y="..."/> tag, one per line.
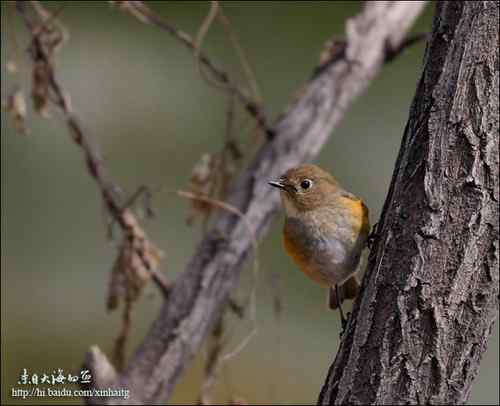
<point x="372" y="236"/>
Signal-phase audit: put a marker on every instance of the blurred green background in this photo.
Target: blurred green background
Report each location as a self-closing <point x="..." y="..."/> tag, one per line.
<point x="139" y="93"/>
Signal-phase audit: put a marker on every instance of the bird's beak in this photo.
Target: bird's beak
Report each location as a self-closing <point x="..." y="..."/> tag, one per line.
<point x="278" y="185"/>
<point x="287" y="187"/>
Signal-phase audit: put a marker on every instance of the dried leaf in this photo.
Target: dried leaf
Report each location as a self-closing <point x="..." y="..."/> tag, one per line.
<point x="48" y="37"/>
<point x="15" y="106"/>
<point x="234" y="150"/>
<point x="11" y="67"/>
<point x="49" y="30"/>
<point x="202" y="183"/>
<point x="40" y="87"/>
<point x="137" y="256"/>
<point x="332" y="49"/>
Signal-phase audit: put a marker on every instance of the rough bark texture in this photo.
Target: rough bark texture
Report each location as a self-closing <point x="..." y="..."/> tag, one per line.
<point x="200" y="292"/>
<point x="430" y="295"/>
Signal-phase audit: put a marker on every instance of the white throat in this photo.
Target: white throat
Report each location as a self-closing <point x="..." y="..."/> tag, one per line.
<point x="290" y="209"/>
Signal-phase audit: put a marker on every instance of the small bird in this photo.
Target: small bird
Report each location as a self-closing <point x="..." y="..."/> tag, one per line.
<point x="326" y="229"/>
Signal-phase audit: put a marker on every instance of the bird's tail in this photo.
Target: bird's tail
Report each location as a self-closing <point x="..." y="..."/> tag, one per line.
<point x="348" y="290"/>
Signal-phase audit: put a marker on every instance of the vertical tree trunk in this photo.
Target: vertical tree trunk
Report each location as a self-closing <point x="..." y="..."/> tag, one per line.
<point x="430" y="295"/>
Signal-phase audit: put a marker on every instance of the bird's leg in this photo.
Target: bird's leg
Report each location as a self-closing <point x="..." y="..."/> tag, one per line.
<point x="343" y="320"/>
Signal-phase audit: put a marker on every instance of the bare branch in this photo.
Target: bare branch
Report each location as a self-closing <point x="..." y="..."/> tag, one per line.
<point x="138" y="257"/>
<point x="200" y="293"/>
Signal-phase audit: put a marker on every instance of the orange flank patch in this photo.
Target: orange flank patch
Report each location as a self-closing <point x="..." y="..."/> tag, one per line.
<point x="359" y="212"/>
<point x="297" y="255"/>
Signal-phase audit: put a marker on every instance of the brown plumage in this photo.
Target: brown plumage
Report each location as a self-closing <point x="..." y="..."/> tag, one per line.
<point x="325" y="231"/>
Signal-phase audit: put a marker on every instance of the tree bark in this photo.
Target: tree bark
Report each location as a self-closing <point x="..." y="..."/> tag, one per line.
<point x="198" y="295"/>
<point x="430" y="295"/>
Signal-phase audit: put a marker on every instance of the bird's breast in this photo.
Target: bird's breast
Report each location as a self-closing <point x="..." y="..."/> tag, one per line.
<point x="324" y="247"/>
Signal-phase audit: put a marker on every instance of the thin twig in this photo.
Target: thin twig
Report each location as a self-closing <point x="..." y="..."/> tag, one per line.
<point x="230" y="152"/>
<point x="391" y="53"/>
<point x="200" y="36"/>
<point x="247" y="69"/>
<point x="121" y="340"/>
<point x="95" y="164"/>
<point x="42" y="56"/>
<point x="225" y="206"/>
<point x="138" y="257"/>
<point x="144" y="14"/>
<point x="231" y="209"/>
<point x="161" y="281"/>
<point x="48" y="18"/>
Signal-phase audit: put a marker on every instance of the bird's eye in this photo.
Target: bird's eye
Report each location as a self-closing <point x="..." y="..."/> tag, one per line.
<point x="306" y="184"/>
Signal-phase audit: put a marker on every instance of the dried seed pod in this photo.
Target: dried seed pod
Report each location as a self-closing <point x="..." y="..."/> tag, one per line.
<point x="15" y="106"/>
<point x="132" y="269"/>
<point x="202" y="183"/>
<point x="40" y="87"/>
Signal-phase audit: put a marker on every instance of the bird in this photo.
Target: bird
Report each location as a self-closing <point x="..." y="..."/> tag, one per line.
<point x="325" y="231"/>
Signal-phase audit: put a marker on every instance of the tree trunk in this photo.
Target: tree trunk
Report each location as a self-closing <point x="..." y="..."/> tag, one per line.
<point x="430" y="295"/>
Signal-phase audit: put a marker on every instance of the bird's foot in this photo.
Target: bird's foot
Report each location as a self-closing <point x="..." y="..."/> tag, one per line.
<point x="372" y="236"/>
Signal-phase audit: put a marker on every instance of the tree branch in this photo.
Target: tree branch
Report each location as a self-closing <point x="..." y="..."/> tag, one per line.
<point x="199" y="293"/>
<point x="138" y="257"/>
<point x="430" y="296"/>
